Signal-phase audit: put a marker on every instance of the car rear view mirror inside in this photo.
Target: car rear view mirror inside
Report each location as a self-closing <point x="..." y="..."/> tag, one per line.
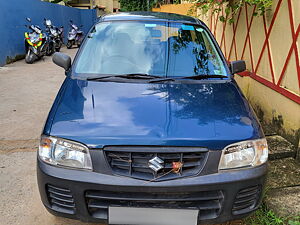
<point x="62" y="60"/>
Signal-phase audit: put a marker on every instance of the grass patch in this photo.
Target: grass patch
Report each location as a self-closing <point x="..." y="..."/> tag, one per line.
<point x="265" y="216"/>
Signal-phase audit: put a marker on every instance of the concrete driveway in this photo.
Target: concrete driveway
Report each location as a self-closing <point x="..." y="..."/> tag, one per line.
<point x="26" y="94"/>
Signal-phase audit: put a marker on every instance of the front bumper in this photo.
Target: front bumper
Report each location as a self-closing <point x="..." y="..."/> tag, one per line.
<point x="87" y="195"/>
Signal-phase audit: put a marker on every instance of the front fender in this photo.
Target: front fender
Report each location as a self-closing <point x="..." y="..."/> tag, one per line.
<point x="33" y="49"/>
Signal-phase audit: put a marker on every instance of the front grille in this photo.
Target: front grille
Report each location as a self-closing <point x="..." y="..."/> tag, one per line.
<point x="208" y="202"/>
<point x="246" y="200"/>
<point x="134" y="161"/>
<point x="60" y="199"/>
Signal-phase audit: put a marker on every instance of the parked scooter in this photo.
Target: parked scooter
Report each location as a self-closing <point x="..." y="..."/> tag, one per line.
<point x="36" y="43"/>
<point x="75" y="36"/>
<point x="55" y="36"/>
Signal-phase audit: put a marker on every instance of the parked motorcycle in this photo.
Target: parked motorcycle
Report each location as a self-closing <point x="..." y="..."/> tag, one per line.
<point x="61" y="34"/>
<point x="55" y="36"/>
<point x="36" y="43"/>
<point x="75" y="36"/>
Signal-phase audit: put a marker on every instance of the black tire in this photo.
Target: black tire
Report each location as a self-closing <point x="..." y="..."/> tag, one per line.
<point x="79" y="43"/>
<point x="30" y="57"/>
<point x="49" y="51"/>
<point x="58" y="46"/>
<point x="69" y="44"/>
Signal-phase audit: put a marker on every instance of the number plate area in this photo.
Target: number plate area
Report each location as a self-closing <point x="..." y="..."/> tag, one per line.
<point x="152" y="216"/>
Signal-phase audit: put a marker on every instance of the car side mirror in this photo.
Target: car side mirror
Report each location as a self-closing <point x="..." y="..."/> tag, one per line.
<point x="62" y="60"/>
<point x="28" y="19"/>
<point x="237" y="66"/>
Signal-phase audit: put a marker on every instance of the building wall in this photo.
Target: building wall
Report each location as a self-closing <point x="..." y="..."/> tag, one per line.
<point x="13" y="15"/>
<point x="81" y="4"/>
<point x="270" y="46"/>
<point x="109" y="4"/>
<point x="116" y="4"/>
<point x="174" y="8"/>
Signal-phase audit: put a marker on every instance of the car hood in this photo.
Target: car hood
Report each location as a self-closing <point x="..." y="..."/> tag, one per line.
<point x="207" y="114"/>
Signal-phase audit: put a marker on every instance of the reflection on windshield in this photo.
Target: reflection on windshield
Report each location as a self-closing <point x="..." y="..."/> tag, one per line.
<point x="161" y="49"/>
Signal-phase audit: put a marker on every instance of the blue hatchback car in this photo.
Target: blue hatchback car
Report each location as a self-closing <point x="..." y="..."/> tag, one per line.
<point x="150" y="127"/>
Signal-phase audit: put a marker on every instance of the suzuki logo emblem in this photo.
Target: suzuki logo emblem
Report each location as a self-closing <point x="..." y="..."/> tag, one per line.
<point x="156" y="164"/>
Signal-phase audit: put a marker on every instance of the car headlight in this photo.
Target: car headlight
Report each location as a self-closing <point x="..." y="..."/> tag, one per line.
<point x="61" y="152"/>
<point x="244" y="154"/>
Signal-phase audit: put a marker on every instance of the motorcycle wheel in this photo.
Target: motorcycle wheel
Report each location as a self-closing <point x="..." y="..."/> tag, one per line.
<point x="49" y="51"/>
<point x="30" y="57"/>
<point x="57" y="48"/>
<point x="79" y="43"/>
<point x="69" y="44"/>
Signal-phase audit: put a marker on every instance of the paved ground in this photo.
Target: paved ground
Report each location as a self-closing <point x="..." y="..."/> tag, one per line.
<point x="26" y="95"/>
<point x="283" y="186"/>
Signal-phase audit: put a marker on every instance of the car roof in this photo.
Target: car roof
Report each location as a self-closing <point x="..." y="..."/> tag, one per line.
<point x="160" y="16"/>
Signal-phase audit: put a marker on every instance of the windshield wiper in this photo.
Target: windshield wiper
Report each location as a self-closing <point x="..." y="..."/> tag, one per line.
<point x="200" y="77"/>
<point x="127" y="76"/>
<point x="156" y="79"/>
<point x="197" y="77"/>
<point x="104" y="77"/>
<point x="162" y="80"/>
<point x="140" y="75"/>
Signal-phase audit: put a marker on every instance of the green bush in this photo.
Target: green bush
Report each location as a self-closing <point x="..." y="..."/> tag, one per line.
<point x="136" y="5"/>
<point x="231" y="7"/>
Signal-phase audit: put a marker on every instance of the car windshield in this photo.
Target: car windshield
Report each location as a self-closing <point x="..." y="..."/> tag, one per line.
<point x="165" y="49"/>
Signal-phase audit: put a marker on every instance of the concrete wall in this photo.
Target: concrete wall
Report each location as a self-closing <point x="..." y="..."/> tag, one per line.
<point x="182" y="9"/>
<point x="108" y="4"/>
<point x="12" y="21"/>
<point x="272" y="83"/>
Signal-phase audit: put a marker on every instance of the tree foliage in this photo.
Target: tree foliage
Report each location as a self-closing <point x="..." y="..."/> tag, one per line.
<point x="137" y="5"/>
<point x="57" y="1"/>
<point x="231" y="7"/>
